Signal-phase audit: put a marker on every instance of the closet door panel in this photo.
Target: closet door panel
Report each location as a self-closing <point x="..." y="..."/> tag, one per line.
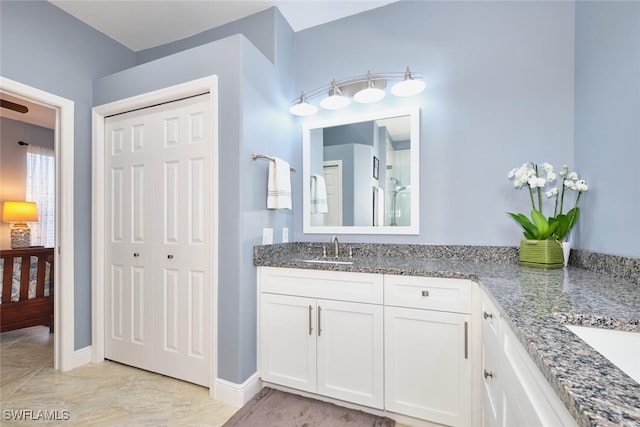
<point x="159" y="252"/>
<point x="129" y="316"/>
<point x="185" y="238"/>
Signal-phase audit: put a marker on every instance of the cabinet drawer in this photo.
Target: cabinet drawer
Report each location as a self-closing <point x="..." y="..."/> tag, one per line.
<point x="490" y="320"/>
<point x="340" y="285"/>
<point x="428" y="293"/>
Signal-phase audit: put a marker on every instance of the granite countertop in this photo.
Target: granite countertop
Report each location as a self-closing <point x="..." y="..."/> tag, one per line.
<point x="535" y="303"/>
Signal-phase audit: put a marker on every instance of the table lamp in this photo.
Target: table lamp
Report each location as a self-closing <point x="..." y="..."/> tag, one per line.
<point x="18" y="214"/>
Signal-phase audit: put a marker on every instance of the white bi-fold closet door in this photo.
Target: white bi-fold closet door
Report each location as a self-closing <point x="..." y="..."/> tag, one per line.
<point x="158" y="255"/>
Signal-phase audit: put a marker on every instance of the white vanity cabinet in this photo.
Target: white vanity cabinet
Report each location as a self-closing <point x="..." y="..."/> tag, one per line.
<point x="322" y="332"/>
<point x="514" y="391"/>
<point x="429" y="349"/>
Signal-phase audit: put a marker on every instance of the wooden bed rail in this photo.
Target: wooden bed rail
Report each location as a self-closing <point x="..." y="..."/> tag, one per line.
<point x="26" y="312"/>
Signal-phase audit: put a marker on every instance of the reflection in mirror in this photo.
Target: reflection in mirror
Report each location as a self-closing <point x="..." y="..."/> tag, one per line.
<point x="361" y="174"/>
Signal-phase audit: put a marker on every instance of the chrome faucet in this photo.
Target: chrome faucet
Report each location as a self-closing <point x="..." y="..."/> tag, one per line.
<point x="336" y="246"/>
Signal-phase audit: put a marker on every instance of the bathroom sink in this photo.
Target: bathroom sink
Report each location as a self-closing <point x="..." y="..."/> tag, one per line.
<point x="327" y="261"/>
<point x="620" y="347"/>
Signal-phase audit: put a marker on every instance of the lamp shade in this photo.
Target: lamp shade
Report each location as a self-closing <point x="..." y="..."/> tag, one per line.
<point x="19" y="212"/>
<point x="303" y="109"/>
<point x="369" y="95"/>
<point x="408" y="87"/>
<point x="334" y="102"/>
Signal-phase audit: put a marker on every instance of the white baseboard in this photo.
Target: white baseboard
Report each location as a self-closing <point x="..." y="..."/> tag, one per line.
<point x="237" y="394"/>
<point x="82" y="357"/>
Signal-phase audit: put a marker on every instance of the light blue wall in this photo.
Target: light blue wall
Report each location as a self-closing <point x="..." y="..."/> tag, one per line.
<point x="607" y="125"/>
<point x="44" y="47"/>
<point x="499" y="93"/>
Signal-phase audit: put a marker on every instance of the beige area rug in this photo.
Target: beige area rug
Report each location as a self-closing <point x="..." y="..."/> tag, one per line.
<point x="274" y="408"/>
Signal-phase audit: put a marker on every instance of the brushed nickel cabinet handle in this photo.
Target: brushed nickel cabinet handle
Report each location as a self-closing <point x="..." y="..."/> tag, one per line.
<point x="310" y="320"/>
<point x="487" y="315"/>
<point x="319" y="328"/>
<point x="136" y="254"/>
<point x="487" y="374"/>
<point x="169" y="256"/>
<point x="425" y="293"/>
<point x="466" y="340"/>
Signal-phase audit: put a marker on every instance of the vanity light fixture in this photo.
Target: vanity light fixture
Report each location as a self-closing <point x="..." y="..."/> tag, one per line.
<point x="365" y="89"/>
<point x="409" y="86"/>
<point x="369" y="94"/>
<point x="335" y="100"/>
<point x="302" y="107"/>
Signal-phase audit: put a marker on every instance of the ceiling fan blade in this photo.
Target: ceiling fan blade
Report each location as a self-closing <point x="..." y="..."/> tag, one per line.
<point x="13" y="106"/>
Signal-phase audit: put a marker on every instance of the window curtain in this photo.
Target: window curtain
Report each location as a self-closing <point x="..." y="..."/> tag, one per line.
<point x="41" y="187"/>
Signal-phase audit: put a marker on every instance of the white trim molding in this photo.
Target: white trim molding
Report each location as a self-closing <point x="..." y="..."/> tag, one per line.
<point x="63" y="300"/>
<point x="82" y="356"/>
<point x="200" y="86"/>
<point x="236" y="394"/>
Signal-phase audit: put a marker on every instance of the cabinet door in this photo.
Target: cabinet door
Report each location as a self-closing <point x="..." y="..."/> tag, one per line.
<point x="288" y="341"/>
<point x="350" y="352"/>
<point x="527" y="397"/>
<point x="491" y="371"/>
<point x="428" y="365"/>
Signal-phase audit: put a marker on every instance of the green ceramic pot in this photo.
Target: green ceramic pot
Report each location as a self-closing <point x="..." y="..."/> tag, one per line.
<point x="541" y="254"/>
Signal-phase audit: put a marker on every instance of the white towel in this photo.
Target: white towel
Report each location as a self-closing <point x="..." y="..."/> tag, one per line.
<point x="279" y="186"/>
<point x="318" y="194"/>
<point x="378" y="206"/>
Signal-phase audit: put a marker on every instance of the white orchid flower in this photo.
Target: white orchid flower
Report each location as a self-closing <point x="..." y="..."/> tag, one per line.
<point x="524" y="172"/>
<point x="581" y="185"/>
<point x="547" y="167"/>
<point x="552" y="192"/>
<point x="573" y="176"/>
<point x="537" y="181"/>
<point x="551" y="176"/>
<point x="518" y="184"/>
<point x="570" y="185"/>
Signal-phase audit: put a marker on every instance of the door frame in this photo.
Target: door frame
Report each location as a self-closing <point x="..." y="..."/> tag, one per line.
<point x="99" y="239"/>
<point x="338" y="165"/>
<point x="63" y="297"/>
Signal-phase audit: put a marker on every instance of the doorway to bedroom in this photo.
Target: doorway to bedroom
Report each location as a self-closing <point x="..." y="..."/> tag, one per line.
<point x="62" y="267"/>
<point x="27" y="174"/>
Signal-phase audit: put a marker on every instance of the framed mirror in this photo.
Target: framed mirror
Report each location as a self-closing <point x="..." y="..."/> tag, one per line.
<point x="361" y="174"/>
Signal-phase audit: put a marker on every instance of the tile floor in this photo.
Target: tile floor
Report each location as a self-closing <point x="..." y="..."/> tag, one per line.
<point x="104" y="394"/>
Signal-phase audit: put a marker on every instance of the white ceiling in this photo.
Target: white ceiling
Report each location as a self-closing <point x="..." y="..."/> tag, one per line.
<point x="142" y="24"/>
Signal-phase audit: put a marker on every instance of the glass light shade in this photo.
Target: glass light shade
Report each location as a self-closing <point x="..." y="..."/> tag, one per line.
<point x="369" y="95"/>
<point x="19" y="212"/>
<point x="334" y="102"/>
<point x="303" y="109"/>
<point x="408" y="87"/>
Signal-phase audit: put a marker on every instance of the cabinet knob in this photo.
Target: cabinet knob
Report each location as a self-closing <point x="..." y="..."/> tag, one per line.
<point x="487" y="315"/>
<point x="487" y="374"/>
<point x="425" y="293"/>
<point x="169" y="256"/>
<point x="136" y="254"/>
